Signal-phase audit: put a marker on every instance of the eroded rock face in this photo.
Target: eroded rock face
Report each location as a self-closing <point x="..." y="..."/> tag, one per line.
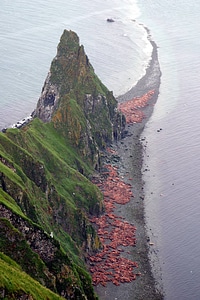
<point x="48" y="100"/>
<point x="40" y="242"/>
<point x="76" y="101"/>
<point x="21" y="239"/>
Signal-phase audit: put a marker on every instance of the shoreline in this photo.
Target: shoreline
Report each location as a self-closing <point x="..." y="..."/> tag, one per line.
<point x="129" y="161"/>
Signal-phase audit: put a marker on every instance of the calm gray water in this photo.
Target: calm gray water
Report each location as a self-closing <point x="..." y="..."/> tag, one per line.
<point x="30" y="32"/>
<point x="119" y="52"/>
<point x="173" y="182"/>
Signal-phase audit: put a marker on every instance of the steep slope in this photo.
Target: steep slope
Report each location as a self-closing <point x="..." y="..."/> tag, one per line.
<point x="77" y="102"/>
<point x="25" y="288"/>
<point x="46" y="196"/>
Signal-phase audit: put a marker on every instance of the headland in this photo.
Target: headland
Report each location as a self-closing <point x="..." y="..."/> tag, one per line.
<point x="48" y="201"/>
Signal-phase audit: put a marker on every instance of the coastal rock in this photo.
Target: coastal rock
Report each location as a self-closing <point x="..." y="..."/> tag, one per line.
<point x="48" y="100"/>
<point x="77" y="103"/>
<point x="110" y="20"/>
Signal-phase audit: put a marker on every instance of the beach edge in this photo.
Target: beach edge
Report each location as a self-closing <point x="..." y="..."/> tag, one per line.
<point x="130" y="151"/>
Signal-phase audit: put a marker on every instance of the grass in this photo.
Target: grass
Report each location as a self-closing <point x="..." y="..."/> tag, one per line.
<point x="45" y="170"/>
<point x="67" y="190"/>
<point x="15" y="282"/>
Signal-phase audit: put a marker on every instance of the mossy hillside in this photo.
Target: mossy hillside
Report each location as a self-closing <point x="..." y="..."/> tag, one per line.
<point x="15" y="188"/>
<point x="23" y="191"/>
<point x="40" y="138"/>
<point x="68" y="195"/>
<point x="61" y="163"/>
<point x="73" y="73"/>
<point x="87" y="130"/>
<point x="9" y="202"/>
<point x="71" y="69"/>
<point x="14" y="244"/>
<point x="59" y="273"/>
<point x="66" y="189"/>
<point x="13" y="288"/>
<point x="70" y="121"/>
<point x="77" y="103"/>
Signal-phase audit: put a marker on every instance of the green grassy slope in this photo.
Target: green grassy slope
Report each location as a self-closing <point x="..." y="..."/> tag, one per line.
<point x="46" y="196"/>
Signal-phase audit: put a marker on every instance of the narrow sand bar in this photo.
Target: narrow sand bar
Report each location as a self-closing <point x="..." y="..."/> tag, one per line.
<point x="122" y="270"/>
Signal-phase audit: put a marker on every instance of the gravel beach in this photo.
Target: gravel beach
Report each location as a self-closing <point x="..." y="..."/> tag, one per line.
<point x="128" y="161"/>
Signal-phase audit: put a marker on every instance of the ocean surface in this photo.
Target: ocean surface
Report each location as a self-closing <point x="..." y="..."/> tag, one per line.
<point x="172" y="184"/>
<point x="119" y="52"/>
<point x="29" y="35"/>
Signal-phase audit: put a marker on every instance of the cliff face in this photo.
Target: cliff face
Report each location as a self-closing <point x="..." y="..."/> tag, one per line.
<point x="46" y="197"/>
<point x="77" y="102"/>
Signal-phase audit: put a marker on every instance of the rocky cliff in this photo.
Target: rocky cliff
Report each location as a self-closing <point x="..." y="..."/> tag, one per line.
<point x="46" y="196"/>
<point x="76" y="101"/>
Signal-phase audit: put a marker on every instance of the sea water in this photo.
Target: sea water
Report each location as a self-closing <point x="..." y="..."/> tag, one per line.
<point x="172" y="184"/>
<point x="29" y="34"/>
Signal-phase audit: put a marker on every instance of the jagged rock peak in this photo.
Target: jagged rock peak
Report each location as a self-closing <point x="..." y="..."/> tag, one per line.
<point x="69" y="42"/>
<point x="76" y="101"/>
<point x="67" y="69"/>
